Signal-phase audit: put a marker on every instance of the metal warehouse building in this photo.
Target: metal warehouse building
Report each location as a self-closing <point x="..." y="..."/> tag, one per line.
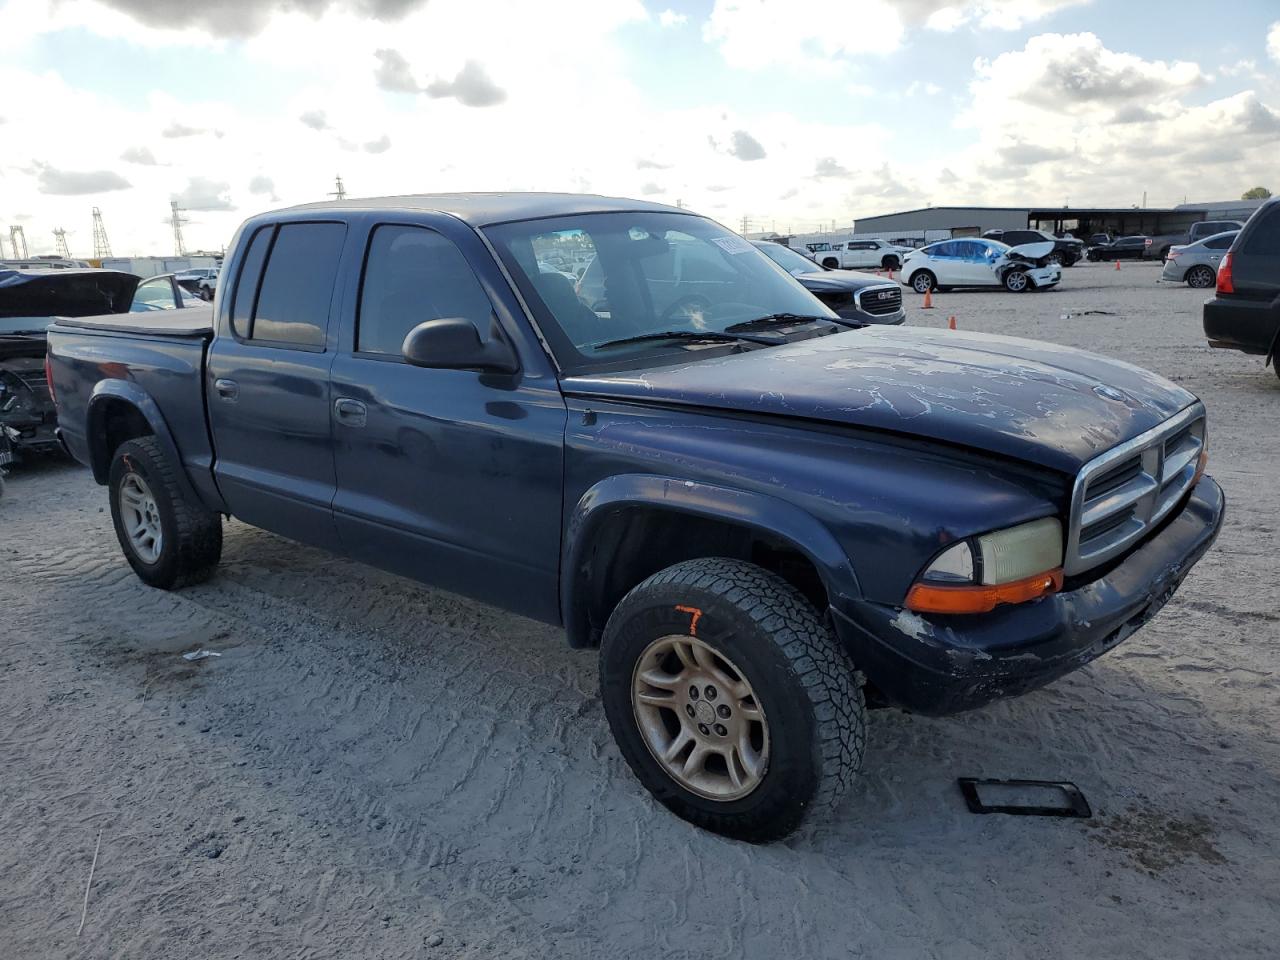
<point x="915" y="225"/>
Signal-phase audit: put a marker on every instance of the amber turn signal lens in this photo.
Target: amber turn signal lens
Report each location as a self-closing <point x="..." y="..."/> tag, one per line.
<point x="1204" y="462"/>
<point x="931" y="598"/>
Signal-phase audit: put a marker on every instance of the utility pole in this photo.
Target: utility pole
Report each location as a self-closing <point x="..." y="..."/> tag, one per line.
<point x="101" y="245"/>
<point x="16" y="237"/>
<point x="60" y="238"/>
<point x="746" y="224"/>
<point x="340" y="192"/>
<point x="176" y="221"/>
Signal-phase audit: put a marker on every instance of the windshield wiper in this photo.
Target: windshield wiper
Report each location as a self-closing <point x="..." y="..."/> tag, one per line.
<point x="777" y="319"/>
<point x="692" y="335"/>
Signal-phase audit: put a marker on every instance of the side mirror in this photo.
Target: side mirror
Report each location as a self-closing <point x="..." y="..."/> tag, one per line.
<point x="454" y="343"/>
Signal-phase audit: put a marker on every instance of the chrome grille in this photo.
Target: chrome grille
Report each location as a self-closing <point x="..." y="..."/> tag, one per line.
<point x="1126" y="491"/>
<point x="879" y="301"/>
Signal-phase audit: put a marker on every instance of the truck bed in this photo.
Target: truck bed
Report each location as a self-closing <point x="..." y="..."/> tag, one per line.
<point x="189" y="322"/>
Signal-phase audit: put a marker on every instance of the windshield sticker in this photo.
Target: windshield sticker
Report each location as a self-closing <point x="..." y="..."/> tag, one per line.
<point x="732" y="244"/>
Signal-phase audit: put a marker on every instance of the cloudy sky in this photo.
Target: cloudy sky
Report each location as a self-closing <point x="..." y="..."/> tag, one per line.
<point x="792" y="113"/>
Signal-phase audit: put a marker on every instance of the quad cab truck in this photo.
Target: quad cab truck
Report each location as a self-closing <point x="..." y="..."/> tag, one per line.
<point x="766" y="518"/>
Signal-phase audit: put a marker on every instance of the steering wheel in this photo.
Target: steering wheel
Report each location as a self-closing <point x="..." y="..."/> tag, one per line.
<point x="689" y="300"/>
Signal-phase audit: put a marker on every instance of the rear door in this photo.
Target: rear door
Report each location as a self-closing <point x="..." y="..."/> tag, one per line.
<point x="267" y="381"/>
<point x="452" y="477"/>
<point x="1255" y="256"/>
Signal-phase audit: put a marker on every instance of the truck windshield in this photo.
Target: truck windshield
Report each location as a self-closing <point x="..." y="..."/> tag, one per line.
<point x="646" y="273"/>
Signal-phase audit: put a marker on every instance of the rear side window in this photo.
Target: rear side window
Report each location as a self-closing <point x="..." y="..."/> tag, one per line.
<point x="412" y="275"/>
<point x="1264" y="236"/>
<point x="247" y="283"/>
<point x="1220" y="243"/>
<point x="297" y="285"/>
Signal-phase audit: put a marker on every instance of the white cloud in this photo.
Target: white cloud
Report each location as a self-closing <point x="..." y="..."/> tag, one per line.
<point x="79" y="182"/>
<point x="471" y="87"/>
<point x="1273" y="42"/>
<point x="139" y="155"/>
<point x="669" y="18"/>
<point x="810" y="33"/>
<point x="203" y="194"/>
<point x="923" y="86"/>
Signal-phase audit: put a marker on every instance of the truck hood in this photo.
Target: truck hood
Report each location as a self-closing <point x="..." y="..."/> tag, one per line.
<point x="1036" y="402"/>
<point x="836" y="281"/>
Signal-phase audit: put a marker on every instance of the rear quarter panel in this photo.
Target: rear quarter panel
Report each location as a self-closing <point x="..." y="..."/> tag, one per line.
<point x="162" y="376"/>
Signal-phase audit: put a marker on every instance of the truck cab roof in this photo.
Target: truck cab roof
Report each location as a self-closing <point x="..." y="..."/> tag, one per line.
<point x="485" y="209"/>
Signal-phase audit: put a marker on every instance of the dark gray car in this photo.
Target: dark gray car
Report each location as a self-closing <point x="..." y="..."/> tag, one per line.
<point x="851" y="294"/>
<point x="1196" y="264"/>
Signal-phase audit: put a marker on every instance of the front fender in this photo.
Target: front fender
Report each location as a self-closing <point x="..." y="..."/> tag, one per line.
<point x="759" y="512"/>
<point x="113" y="390"/>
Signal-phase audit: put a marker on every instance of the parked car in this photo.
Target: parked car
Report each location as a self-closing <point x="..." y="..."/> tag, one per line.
<point x="857" y="254"/>
<point x="162" y="293"/>
<point x="200" y="281"/>
<point x="1067" y="251"/>
<point x="1244" y="313"/>
<point x="1121" y="248"/>
<point x="852" y="295"/>
<point x="981" y="263"/>
<point x="760" y="516"/>
<point x="1197" y="263"/>
<point x="29" y="299"/>
<point x="1160" y="245"/>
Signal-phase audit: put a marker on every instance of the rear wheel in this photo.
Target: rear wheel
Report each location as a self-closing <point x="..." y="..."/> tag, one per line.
<point x="730" y="698"/>
<point x="1200" y="277"/>
<point x="1016" y="281"/>
<point x="831" y="262"/>
<point x="922" y="281"/>
<point x="169" y="541"/>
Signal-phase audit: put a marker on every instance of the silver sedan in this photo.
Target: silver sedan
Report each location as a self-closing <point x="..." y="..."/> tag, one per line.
<point x="1197" y="263"/>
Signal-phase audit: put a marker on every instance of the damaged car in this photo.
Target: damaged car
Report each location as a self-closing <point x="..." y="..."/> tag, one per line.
<point x="982" y="263"/>
<point x="29" y="300"/>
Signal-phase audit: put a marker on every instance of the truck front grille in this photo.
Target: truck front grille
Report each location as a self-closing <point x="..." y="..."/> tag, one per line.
<point x="1122" y="494"/>
<point x="879" y="301"/>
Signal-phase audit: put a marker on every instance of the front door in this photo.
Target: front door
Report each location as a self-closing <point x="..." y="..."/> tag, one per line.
<point x="452" y="477"/>
<point x="267" y="383"/>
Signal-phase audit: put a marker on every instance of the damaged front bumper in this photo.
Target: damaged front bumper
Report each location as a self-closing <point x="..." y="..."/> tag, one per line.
<point x="946" y="664"/>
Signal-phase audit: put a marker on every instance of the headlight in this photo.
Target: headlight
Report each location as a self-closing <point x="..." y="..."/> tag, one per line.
<point x="1007" y="566"/>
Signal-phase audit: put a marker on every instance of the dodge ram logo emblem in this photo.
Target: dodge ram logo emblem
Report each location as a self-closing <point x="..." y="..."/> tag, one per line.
<point x="1109" y="393"/>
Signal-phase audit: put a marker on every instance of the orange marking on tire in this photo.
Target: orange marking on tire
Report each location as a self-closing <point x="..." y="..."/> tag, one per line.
<point x="694" y="616"/>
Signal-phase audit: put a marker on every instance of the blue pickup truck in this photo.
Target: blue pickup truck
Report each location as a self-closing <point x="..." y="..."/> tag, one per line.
<point x="766" y="517"/>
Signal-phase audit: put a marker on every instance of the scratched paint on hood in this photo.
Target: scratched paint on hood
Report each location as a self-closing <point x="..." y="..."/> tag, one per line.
<point x="1033" y="401"/>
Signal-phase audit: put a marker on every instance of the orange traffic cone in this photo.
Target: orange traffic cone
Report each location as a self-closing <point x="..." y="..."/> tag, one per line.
<point x="928" y="300"/>
<point x="951" y="322"/>
<point x="1117" y="264"/>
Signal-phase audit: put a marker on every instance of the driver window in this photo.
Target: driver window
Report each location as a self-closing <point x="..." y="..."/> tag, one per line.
<point x="412" y="275"/>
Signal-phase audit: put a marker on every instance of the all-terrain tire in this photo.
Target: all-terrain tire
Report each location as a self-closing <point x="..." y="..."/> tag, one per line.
<point x="797" y="672"/>
<point x="191" y="541"/>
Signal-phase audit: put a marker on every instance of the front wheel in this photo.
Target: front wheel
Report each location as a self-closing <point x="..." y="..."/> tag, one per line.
<point x="730" y="699"/>
<point x="168" y="540"/>
<point x="891" y="263"/>
<point x="831" y="263"/>
<point x="1016" y="281"/>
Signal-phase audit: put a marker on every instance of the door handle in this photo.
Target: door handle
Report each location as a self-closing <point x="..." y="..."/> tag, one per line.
<point x="351" y="412"/>
<point x="227" y="389"/>
<point x="1215" y="258"/>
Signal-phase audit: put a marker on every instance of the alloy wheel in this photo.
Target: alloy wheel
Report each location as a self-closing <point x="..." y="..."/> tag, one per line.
<point x="141" y="518"/>
<point x="700" y="718"/>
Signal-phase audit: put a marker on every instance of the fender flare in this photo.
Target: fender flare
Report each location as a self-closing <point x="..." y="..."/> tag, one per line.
<point x="130" y="393"/>
<point x="760" y="512"/>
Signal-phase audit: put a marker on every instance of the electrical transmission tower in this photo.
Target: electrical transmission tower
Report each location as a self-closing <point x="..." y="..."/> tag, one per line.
<point x="340" y="193"/>
<point x="18" y="240"/>
<point x="101" y="245"/>
<point x="176" y="221"/>
<point x="746" y="225"/>
<point x="60" y="238"/>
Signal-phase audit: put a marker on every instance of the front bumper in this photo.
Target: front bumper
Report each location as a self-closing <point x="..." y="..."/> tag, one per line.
<point x="947" y="664"/>
<point x="1045" y="276"/>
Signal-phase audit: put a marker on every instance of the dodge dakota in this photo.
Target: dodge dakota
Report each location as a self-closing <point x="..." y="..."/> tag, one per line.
<point x="766" y="517"/>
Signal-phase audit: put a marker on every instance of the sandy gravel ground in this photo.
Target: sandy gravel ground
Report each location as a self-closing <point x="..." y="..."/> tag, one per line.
<point x="374" y="769"/>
